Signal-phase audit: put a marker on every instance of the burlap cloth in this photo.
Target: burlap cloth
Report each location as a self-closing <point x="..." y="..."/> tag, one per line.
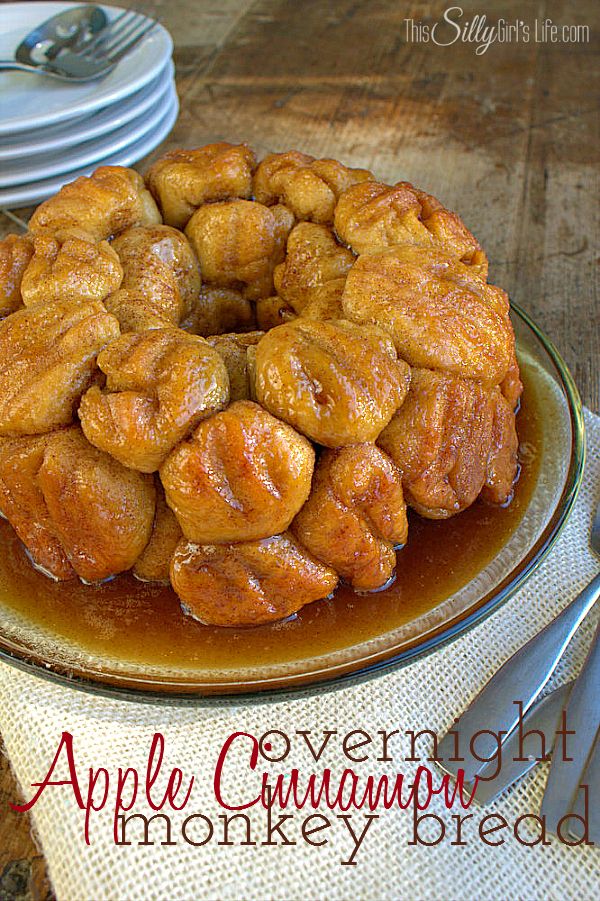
<point x="429" y="693"/>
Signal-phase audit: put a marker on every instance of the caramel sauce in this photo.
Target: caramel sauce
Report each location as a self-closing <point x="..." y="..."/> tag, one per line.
<point x="143" y="623"/>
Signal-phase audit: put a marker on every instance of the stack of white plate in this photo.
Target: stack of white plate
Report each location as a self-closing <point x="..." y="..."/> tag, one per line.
<point x="51" y="132"/>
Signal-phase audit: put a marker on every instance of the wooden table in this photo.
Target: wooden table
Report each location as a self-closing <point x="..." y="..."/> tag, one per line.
<point x="508" y="139"/>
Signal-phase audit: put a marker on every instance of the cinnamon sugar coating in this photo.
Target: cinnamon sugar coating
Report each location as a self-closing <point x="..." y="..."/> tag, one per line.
<point x="370" y="217"/>
<point x="48" y="356"/>
<point x="439" y="314"/>
<point x="70" y="264"/>
<point x="159" y="385"/>
<point x="22" y="503"/>
<point x="161" y="278"/>
<point x="15" y="253"/>
<point x="78" y="511"/>
<point x="101" y="512"/>
<point x="452" y="437"/>
<point x="183" y="180"/>
<point x="239" y="243"/>
<point x="310" y="188"/>
<point x="355" y="516"/>
<point x="243" y="475"/>
<point x="313" y="276"/>
<point x="107" y="203"/>
<point x="250" y="583"/>
<point x="238" y="352"/>
<point x="334" y="381"/>
<point x="217" y="311"/>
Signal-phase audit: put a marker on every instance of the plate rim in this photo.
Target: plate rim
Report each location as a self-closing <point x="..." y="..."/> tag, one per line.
<point x="121" y="158"/>
<point x="91" y="104"/>
<point x="67" y="139"/>
<point x="302" y="684"/>
<point x="139" y="129"/>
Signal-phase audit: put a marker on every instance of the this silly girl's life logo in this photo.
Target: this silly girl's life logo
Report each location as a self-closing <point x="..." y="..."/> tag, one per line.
<point x="252" y="804"/>
<point x="454" y="27"/>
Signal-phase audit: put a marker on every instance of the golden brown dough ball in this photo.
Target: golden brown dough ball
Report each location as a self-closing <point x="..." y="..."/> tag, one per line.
<point x="47" y="360"/>
<point x="77" y="510"/>
<point x="111" y="200"/>
<point x="326" y="302"/>
<point x="70" y="265"/>
<point x="159" y="385"/>
<point x="371" y="217"/>
<point x="243" y="475"/>
<point x="239" y="243"/>
<point x="101" y="512"/>
<point x="355" y="515"/>
<point x="23" y="504"/>
<point x="237" y="354"/>
<point x="15" y="253"/>
<point x="440" y="315"/>
<point x="159" y="258"/>
<point x="249" y="583"/>
<point x="153" y="564"/>
<point x="315" y="268"/>
<point x="161" y="278"/>
<point x="273" y="311"/>
<point x="309" y="187"/>
<point x="444" y="437"/>
<point x="512" y="386"/>
<point x="449" y="230"/>
<point x="183" y="180"/>
<point x="502" y="462"/>
<point x="333" y="381"/>
<point x="217" y="311"/>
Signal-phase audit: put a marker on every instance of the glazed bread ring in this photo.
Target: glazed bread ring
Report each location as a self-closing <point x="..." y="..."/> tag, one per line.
<point x="261" y="395"/>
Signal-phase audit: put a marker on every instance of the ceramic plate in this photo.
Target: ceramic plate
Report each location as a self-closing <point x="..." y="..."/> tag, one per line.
<point x="77" y="131"/>
<point x="35" y="192"/>
<point x="31" y="101"/>
<point x="131" y="640"/>
<point x="61" y="162"/>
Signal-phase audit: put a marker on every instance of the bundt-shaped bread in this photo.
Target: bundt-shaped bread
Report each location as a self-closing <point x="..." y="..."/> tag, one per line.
<point x="235" y="377"/>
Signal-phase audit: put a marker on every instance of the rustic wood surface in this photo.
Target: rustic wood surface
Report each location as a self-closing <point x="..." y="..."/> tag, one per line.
<point x="509" y="139"/>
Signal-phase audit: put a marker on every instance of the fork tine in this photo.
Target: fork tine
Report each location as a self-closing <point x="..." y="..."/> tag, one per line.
<point x="115" y="57"/>
<point x="112" y="26"/>
<point x="124" y="35"/>
<point x="112" y="30"/>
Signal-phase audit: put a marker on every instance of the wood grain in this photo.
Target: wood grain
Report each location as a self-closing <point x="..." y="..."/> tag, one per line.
<point x="508" y="139"/>
<point x="23" y="874"/>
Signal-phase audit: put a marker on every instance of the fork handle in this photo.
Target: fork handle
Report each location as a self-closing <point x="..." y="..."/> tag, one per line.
<point x="22" y="67"/>
<point x="521" y="678"/>
<point x="582" y="717"/>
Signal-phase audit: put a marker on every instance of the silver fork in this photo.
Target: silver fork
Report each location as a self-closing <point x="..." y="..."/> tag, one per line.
<point x="96" y="58"/>
<point x="521" y="679"/>
<point x="116" y="40"/>
<point x="568" y="768"/>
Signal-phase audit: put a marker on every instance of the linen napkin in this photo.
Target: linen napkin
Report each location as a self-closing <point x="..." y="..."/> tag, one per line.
<point x="425" y="695"/>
